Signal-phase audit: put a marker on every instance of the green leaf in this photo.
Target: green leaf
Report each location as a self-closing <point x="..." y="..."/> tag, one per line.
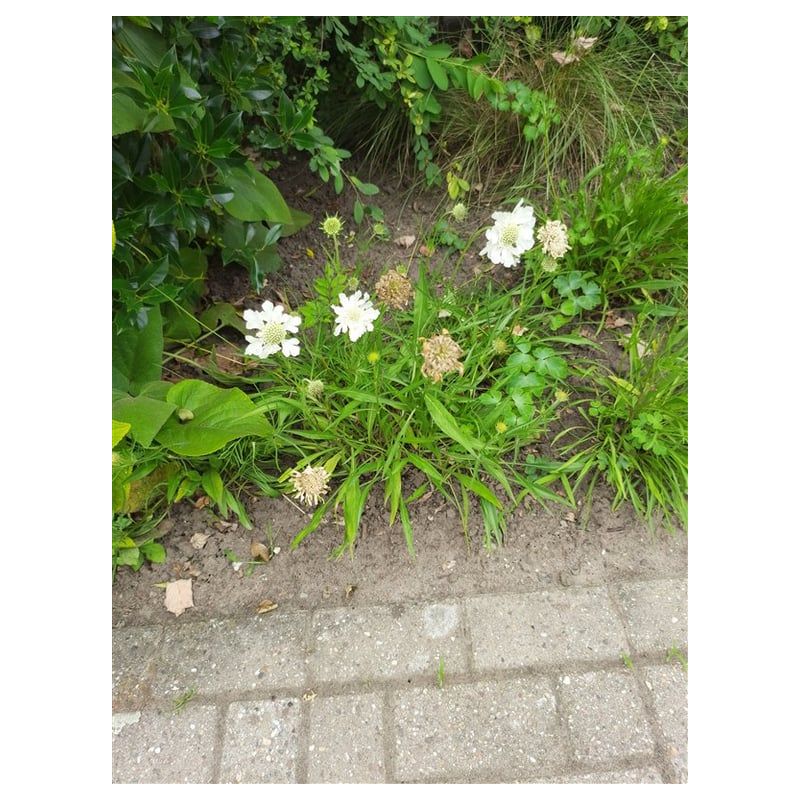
<point x="358" y="211"/>
<point x="352" y="508"/>
<point x="143" y="43"/>
<point x="531" y="381"/>
<point x="144" y="415"/>
<point x="223" y="315"/>
<point x="125" y="114"/>
<point x="421" y="74"/>
<point x="476" y="487"/>
<point x="446" y="422"/>
<point x="136" y="354"/>
<point x="548" y="363"/>
<point x="255" y="197"/>
<point x="153" y="551"/>
<point x="118" y="431"/>
<point x="218" y="417"/>
<point x="214" y="487"/>
<point x="129" y="557"/>
<point x="437" y="51"/>
<point x="521" y="361"/>
<point x="437" y="73"/>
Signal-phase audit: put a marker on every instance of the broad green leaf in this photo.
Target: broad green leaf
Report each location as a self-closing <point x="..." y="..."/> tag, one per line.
<point x="255" y="197"/>
<point x="212" y="418"/>
<point x="445" y="421"/>
<point x="145" y="416"/>
<point x="437" y="73"/>
<point x="531" y="381"/>
<point x="437" y="51"/>
<point x="143" y="43"/>
<point x="125" y="114"/>
<point x="523" y="361"/>
<point x="136" y="354"/>
<point x="118" y="431"/>
<point x="129" y="557"/>
<point x="421" y="74"/>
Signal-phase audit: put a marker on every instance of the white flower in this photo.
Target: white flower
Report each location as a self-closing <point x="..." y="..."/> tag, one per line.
<point x="271" y="326"/>
<point x="355" y="315"/>
<point x="510" y="236"/>
<point x="553" y="237"/>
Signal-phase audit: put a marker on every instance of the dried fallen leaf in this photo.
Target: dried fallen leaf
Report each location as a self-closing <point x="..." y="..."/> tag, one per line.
<point x="584" y="43"/>
<point x="349" y="589"/>
<point x="198" y="540"/>
<point x="309" y="252"/>
<point x="179" y="596"/>
<point x="222" y="525"/>
<point x="309" y="695"/>
<point x="426" y="251"/>
<point x="259" y="551"/>
<point x="613" y="321"/>
<point x="405" y="241"/>
<point x="265" y="606"/>
<point x="202" y="501"/>
<point x="562" y="58"/>
<point x="518" y="330"/>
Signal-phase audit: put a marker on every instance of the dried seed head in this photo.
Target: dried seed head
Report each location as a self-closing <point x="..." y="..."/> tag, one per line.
<point x="553" y="236"/>
<point x="310" y="485"/>
<point x="394" y="289"/>
<point x="440" y="355"/>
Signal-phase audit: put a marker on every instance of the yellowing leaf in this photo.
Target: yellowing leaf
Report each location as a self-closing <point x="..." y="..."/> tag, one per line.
<point x="265" y="606"/>
<point x="259" y="551"/>
<point x="405" y="241"/>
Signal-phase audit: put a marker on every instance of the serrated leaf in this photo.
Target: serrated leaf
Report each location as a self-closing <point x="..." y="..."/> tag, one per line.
<point x="548" y="363"/>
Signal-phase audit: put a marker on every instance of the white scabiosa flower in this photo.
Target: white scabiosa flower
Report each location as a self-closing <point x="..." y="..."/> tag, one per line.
<point x="355" y="315"/>
<point x="510" y="236"/>
<point x="271" y="326"/>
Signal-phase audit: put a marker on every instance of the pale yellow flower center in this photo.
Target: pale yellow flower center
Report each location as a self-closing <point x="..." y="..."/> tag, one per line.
<point x="272" y="333"/>
<point x="509" y="235"/>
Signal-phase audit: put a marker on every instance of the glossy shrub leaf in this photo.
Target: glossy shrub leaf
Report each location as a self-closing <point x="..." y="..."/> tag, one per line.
<point x="212" y="418"/>
<point x="421" y="74"/>
<point x="125" y="114"/>
<point x="136" y="354"/>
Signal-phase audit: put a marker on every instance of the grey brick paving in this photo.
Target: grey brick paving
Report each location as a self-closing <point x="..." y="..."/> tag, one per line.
<point x="132" y="650"/>
<point x="668" y="689"/>
<point x="386" y="642"/>
<point x="656" y="613"/>
<point x="543" y="627"/>
<point x="645" y="775"/>
<point x="261" y="742"/>
<point x="605" y="716"/>
<point x="164" y="747"/>
<point x="462" y="730"/>
<point x="565" y="716"/>
<point x="233" y="655"/>
<point x="346" y="740"/>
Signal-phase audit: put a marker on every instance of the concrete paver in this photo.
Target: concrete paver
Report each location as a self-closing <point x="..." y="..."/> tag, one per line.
<point x="261" y="742"/>
<point x="504" y="726"/>
<point x="519" y="630"/>
<point x="346" y="740"/>
<point x="164" y="747"/>
<point x="605" y="716"/>
<point x="386" y="642"/>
